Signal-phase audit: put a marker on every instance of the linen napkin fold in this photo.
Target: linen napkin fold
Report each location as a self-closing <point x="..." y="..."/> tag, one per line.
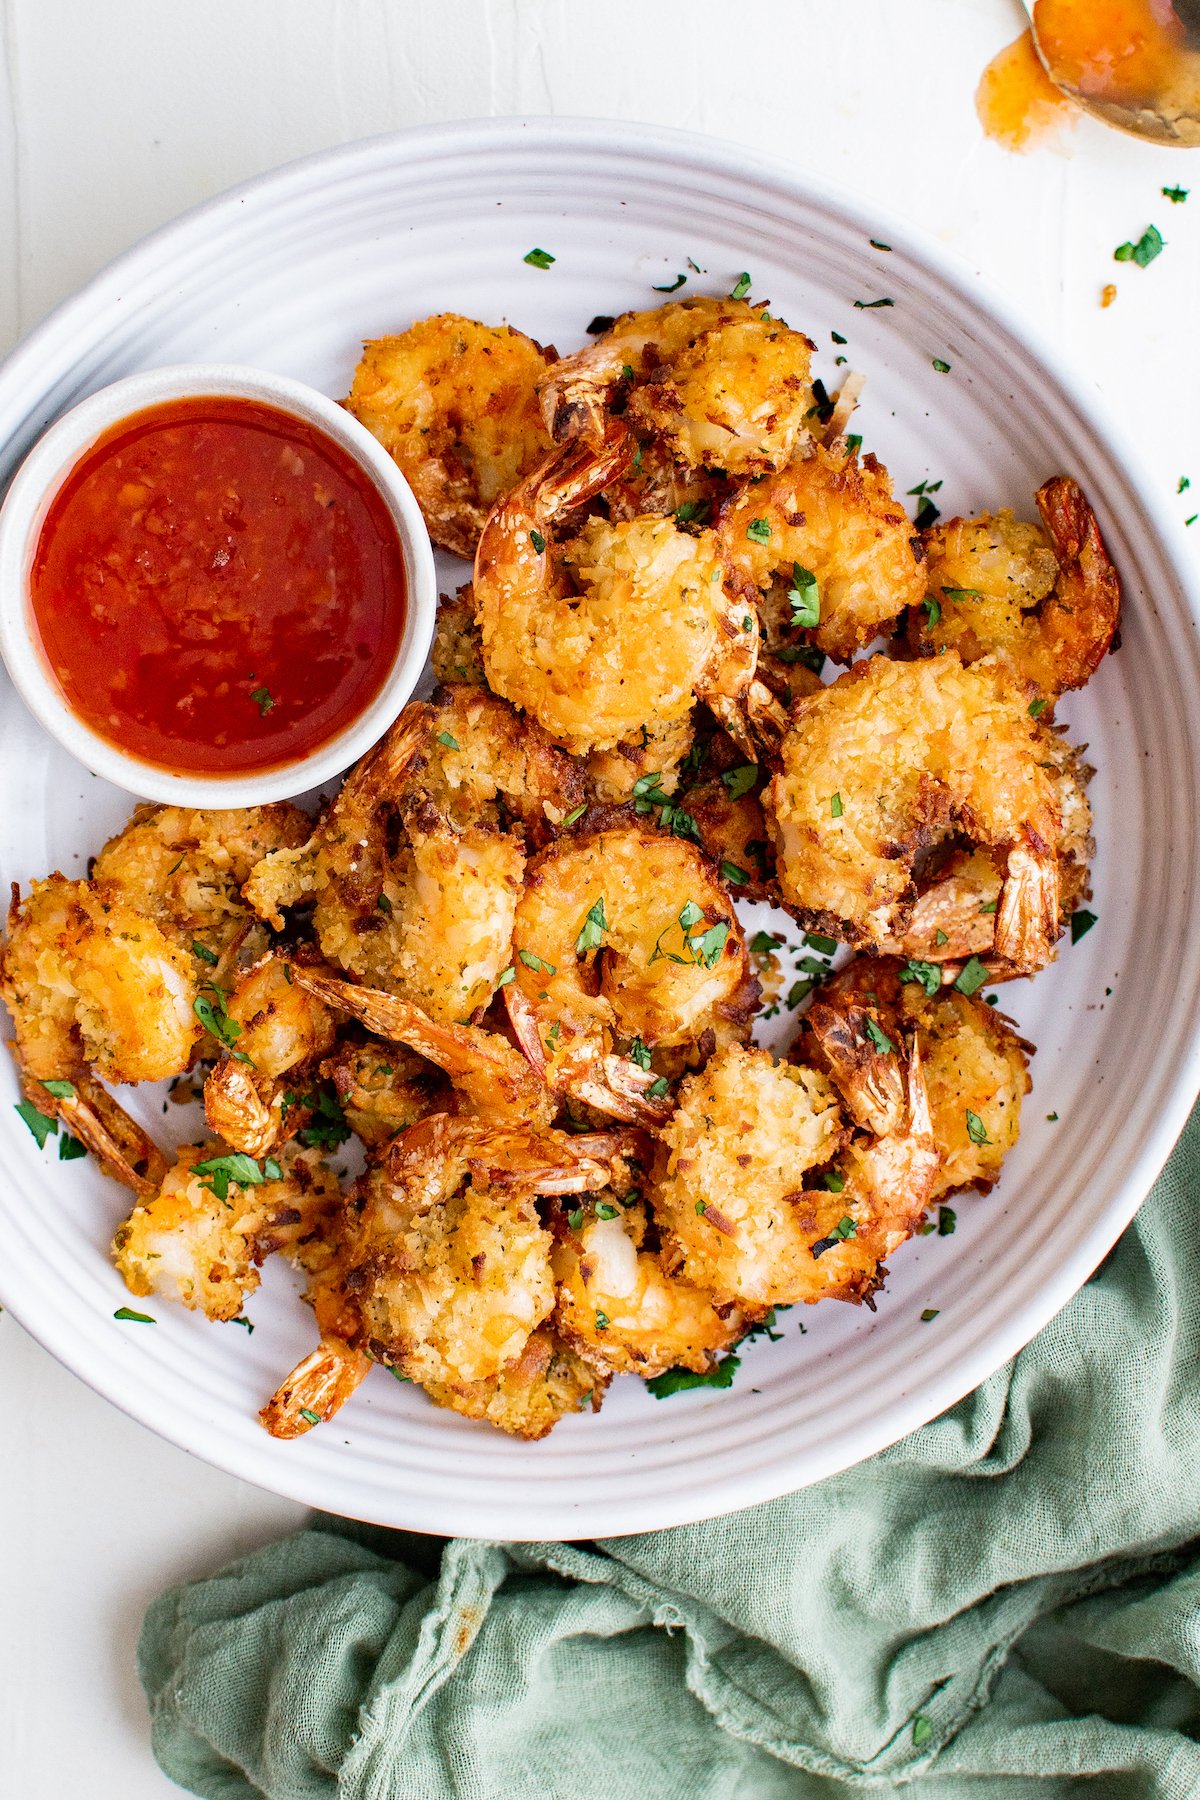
<point x="1006" y="1603"/>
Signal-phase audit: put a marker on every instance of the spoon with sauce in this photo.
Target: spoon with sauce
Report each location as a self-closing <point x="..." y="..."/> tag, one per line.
<point x="1133" y="63"/>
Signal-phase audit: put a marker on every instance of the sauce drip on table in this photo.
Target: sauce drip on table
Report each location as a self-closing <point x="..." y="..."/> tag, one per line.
<point x="218" y="587"/>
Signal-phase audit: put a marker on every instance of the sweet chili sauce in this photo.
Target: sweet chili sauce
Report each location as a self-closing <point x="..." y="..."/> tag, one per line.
<point x="218" y="587"/>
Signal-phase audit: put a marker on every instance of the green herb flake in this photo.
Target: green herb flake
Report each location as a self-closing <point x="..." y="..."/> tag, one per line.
<point x="971" y="976"/>
<point x="62" y="1090"/>
<point x="1081" y="923"/>
<point x="879" y="1038"/>
<point x="243" y="1320"/>
<point x="127" y="1316"/>
<point x="219" y="1171"/>
<point x="41" y="1126"/>
<point x="507" y="975"/>
<point x="1184" y="485"/>
<point x="940" y="937"/>
<point x="1148" y="246"/>
<point x="671" y="287"/>
<point x="710" y="946"/>
<point x="739" y="781"/>
<point x="943" y="368"/>
<point x="591" y="936"/>
<point x="536" y="964"/>
<point x="605" y="1211"/>
<point x="1052" y="1118"/>
<point x="928" y="974"/>
<point x="853" y="443"/>
<point x="678" y="1381"/>
<point x="804" y="597"/>
<point x="213" y="1016"/>
<point x="690" y="915"/>
<point x="989" y="906"/>
<point x="824" y="946"/>
<point x="1176" y="195"/>
<point x="741" y="286"/>
<point x="537" y="540"/>
<point x="576" y="813"/>
<point x="731" y="873"/>
<point x="947" y="1220"/>
<point x="836" y="809"/>
<point x="692" y="512"/>
<point x="538" y="259"/>
<point x="952" y="593"/>
<point x="204" y="953"/>
<point x="759" y="531"/>
<point x="837" y="337"/>
<point x="383" y="904"/>
<point x="926" y="514"/>
<point x="833" y="1181"/>
<point x="262" y="699"/>
<point x="931" y="1312"/>
<point x="658" y="1089"/>
<point x="602" y="1320"/>
<point x="932" y="609"/>
<point x="575" y="1218"/>
<point x="1036" y="708"/>
<point x="638" y="1053"/>
<point x="306" y="1412"/>
<point x="976" y="1129"/>
<point x="870" y="305"/>
<point x="876" y="245"/>
<point x="70" y="1149"/>
<point x="763" y="943"/>
<point x="327" y="1128"/>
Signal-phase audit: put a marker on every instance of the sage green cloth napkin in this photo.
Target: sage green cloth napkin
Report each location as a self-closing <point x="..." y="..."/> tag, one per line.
<point x="1007" y="1603"/>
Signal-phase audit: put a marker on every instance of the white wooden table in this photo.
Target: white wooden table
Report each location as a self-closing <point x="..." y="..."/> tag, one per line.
<point x="112" y="119"/>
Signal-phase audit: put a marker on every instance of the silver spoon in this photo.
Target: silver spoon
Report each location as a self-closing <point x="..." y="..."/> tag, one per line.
<point x="1174" y="118"/>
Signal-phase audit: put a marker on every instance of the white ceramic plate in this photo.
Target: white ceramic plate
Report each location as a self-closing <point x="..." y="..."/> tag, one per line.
<point x="290" y="273"/>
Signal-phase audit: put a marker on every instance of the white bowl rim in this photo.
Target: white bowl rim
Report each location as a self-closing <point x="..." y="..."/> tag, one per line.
<point x="47" y="354"/>
<point x="49" y="464"/>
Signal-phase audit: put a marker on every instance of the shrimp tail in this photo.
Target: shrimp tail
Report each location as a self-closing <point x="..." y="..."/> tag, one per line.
<point x="89" y="1112"/>
<point x="317" y="1387"/>
<point x="1081" y="617"/>
<point x="869" y="1078"/>
<point x="236" y="1111"/>
<point x="1027" y="911"/>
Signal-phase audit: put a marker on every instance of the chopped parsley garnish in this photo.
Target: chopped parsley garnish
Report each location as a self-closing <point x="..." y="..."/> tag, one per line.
<point x="932" y="609"/>
<point x="1184" y="485"/>
<point x="940" y="937"/>
<point x="943" y="368"/>
<point x="836" y="809"/>
<point x="870" y="305"/>
<point x="506" y="975"/>
<point x="692" y="512"/>
<point x="1081" y="923"/>
<point x="447" y="741"/>
<point x="879" y="1038"/>
<point x="538" y="259"/>
<point x="976" y="1129"/>
<point x="38" y="1123"/>
<point x="931" y="1312"/>
<point x="928" y="974"/>
<point x="638" y="1053"/>
<point x="853" y="443"/>
<point x="845" y="1228"/>
<point x="601" y="323"/>
<point x="62" y="1090"/>
<point x="243" y="1320"/>
<point x="591" y="936"/>
<point x="215" y="1019"/>
<point x="605" y="1211"/>
<point x="804" y="597"/>
<point x="824" y="946"/>
<point x="1052" y="1118"/>
<point x="739" y="781"/>
<point x="657" y="1088"/>
<point x="327" y="1128"/>
<point x="127" y="1314"/>
<point x="701" y="1208"/>
<point x="69" y="1148"/>
<point x="306" y="1412"/>
<point x="575" y="1218"/>
<point x="926" y="514"/>
<point x="989" y="906"/>
<point x="759" y="531"/>
<point x="677" y="1381"/>
<point x="261" y="697"/>
<point x="971" y="976"/>
<point x="602" y="1320"/>
<point x="837" y="337"/>
<point x="876" y="245"/>
<point x="1036" y="708"/>
<point x="764" y="942"/>
<point x="218" y="1171"/>
<point x="833" y="1181"/>
<point x="1176" y="195"/>
<point x="709" y="947"/>
<point x="670" y="287"/>
<point x="947" y="1220"/>
<point x="575" y="813"/>
<point x="731" y="873"/>
<point x="204" y="953"/>
<point x="704" y="949"/>
<point x="962" y="593"/>
<point x="383" y="904"/>
<point x="741" y="286"/>
<point x="536" y="964"/>
<point x="1148" y="246"/>
<point x="924" y="487"/>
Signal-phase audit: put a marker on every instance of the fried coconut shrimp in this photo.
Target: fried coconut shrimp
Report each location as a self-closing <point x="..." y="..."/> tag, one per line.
<point x="91" y="984"/>
<point x="529" y="1396"/>
<point x="281" y="1028"/>
<point x="202" y="1237"/>
<point x="731" y="1197"/>
<point x="622" y="625"/>
<point x="959" y="890"/>
<point x="457" y="651"/>
<point x="889" y="760"/>
<point x="453" y="402"/>
<point x="185" y="869"/>
<point x="1045" y="598"/>
<point x="975" y="1066"/>
<point x="621" y="1308"/>
<point x="415" y="869"/>
<point x="824" y="544"/>
<point x="382" y="1089"/>
<point x="626" y="939"/>
<point x="719" y="383"/>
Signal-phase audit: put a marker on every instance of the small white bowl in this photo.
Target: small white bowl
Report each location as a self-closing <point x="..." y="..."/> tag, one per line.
<point x="23" y="514"/>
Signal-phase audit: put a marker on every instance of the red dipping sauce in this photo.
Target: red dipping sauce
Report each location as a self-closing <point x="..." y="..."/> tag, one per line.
<point x="218" y="587"/>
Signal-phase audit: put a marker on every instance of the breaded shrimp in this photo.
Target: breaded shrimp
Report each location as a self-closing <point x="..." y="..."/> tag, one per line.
<point x="202" y="1237"/>
<point x="415" y="869"/>
<point x="453" y="402"/>
<point x="889" y="760"/>
<point x="731" y="1196"/>
<point x="719" y="383"/>
<point x="383" y="1088"/>
<point x="283" y="1027"/>
<point x="1046" y="600"/>
<point x="621" y="938"/>
<point x="621" y="626"/>
<point x="829" y="544"/>
<point x="529" y="1396"/>
<point x="91" y="983"/>
<point x="620" y="1308"/>
<point x="185" y="869"/>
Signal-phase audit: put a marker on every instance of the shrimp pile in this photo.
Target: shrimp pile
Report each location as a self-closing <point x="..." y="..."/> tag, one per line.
<point x="474" y="1043"/>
